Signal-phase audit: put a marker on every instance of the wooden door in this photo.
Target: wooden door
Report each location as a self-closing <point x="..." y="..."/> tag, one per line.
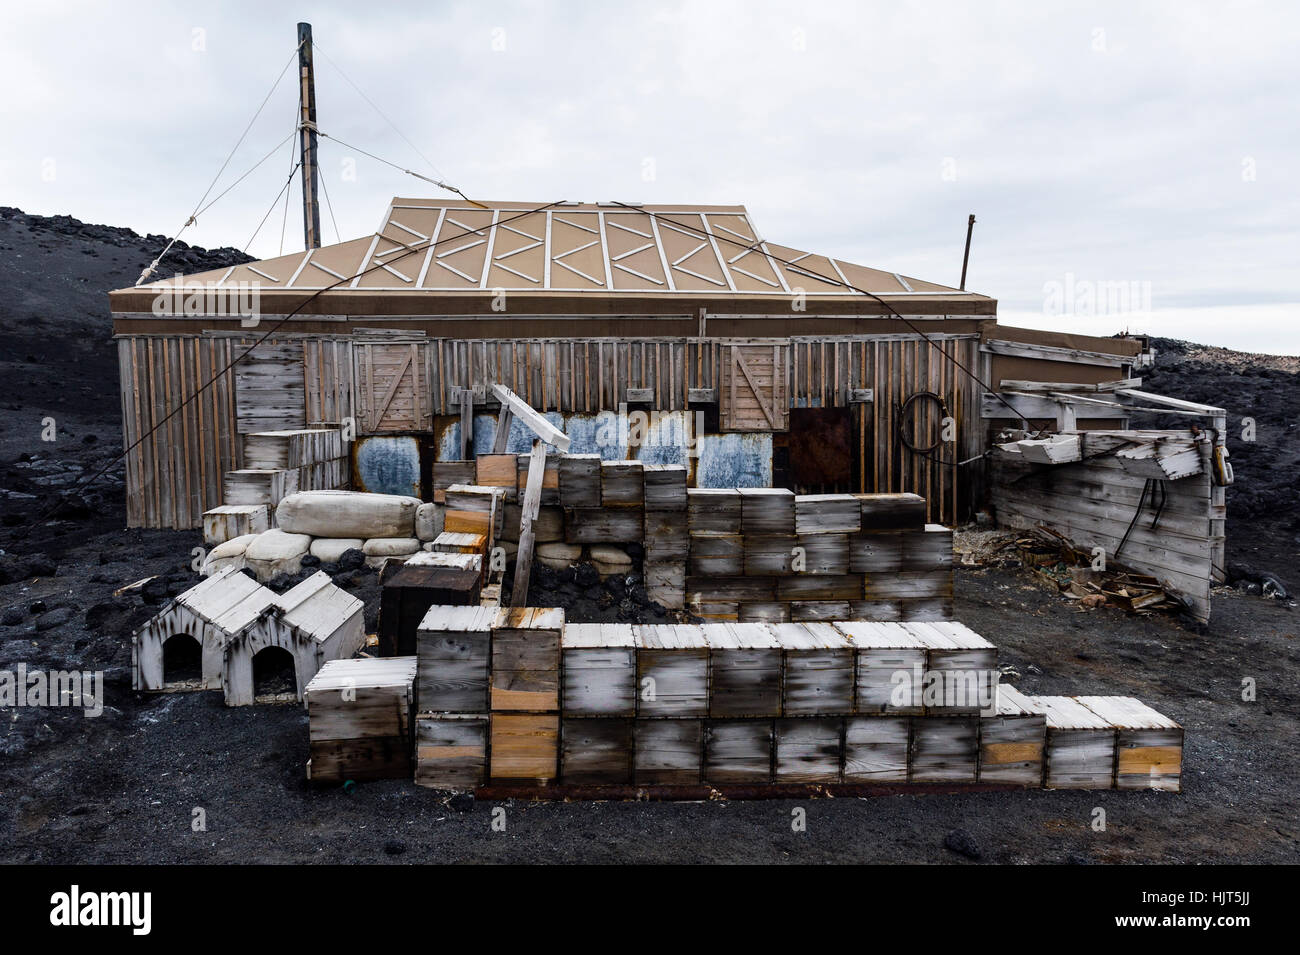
<point x="392" y="387"/>
<point x="753" y="395"/>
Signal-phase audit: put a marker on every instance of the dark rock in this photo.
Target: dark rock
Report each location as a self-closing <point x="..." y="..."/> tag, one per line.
<point x="585" y="575"/>
<point x="352" y="559"/>
<point x="54" y="618"/>
<point x="461" y="802"/>
<point x="961" y="842"/>
<point x="37" y="606"/>
<point x="394" y="847"/>
<point x="310" y="560"/>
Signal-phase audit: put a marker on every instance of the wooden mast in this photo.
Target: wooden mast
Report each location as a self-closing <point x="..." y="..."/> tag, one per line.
<point x="307" y="139"/>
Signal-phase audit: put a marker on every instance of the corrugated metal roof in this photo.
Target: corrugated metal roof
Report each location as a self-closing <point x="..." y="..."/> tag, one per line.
<point x="430" y="245"/>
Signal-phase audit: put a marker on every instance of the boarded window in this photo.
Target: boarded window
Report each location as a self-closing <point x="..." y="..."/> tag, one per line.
<point x="392" y="387"/>
<point x="269" y="388"/>
<point x="753" y="394"/>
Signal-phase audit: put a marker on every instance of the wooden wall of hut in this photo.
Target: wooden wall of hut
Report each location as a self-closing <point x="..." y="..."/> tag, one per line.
<point x="175" y="473"/>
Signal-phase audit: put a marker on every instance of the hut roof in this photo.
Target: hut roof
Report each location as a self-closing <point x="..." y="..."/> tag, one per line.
<point x="434" y="251"/>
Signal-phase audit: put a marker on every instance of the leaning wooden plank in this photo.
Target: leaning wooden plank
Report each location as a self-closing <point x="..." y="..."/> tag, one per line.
<point x="1080" y="751"/>
<point x="599" y="669"/>
<point x="453" y="647"/>
<point x="526" y="659"/>
<point x="525" y="413"/>
<point x="528" y="514"/>
<point x="1149" y="745"/>
<point x="1012" y="741"/>
<point x="451" y="750"/>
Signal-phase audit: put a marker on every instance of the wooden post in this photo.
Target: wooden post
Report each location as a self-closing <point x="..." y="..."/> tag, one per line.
<point x="532" y="501"/>
<point x="466" y="423"/>
<point x="502" y="438"/>
<point x="307" y="139"/>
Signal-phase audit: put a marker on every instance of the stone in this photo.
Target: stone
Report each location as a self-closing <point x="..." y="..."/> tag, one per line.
<point x="331" y="549"/>
<point x="348" y="514"/>
<point x="963" y="843"/>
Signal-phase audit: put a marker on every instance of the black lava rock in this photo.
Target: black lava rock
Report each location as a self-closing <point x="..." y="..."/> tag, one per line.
<point x="352" y="559"/>
<point x="963" y="843"/>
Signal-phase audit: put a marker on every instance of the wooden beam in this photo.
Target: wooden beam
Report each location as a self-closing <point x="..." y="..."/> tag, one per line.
<point x="502" y="438"/>
<point x="1011" y="384"/>
<point x="531" y="503"/>
<point x="1191" y="407"/>
<point x="1074" y="356"/>
<point x="1037" y="407"/>
<point x="535" y="421"/>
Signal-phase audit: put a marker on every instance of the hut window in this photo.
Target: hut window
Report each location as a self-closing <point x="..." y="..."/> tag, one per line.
<point x="182" y="659"/>
<point x="273" y="673"/>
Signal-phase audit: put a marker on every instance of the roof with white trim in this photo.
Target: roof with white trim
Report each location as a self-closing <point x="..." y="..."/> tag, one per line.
<point x="432" y="245"/>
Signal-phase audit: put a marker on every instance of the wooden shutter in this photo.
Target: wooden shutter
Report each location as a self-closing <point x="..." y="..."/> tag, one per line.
<point x="753" y="394"/>
<point x="392" y="387"/>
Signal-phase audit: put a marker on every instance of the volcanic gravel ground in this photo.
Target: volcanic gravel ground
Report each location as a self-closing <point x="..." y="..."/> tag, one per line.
<point x="123" y="787"/>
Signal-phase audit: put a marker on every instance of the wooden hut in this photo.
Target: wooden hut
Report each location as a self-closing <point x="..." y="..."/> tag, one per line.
<point x="289" y="641"/>
<point x="756" y="364"/>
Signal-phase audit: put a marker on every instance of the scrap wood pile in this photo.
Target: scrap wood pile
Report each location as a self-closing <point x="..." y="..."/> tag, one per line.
<point x="1070" y="571"/>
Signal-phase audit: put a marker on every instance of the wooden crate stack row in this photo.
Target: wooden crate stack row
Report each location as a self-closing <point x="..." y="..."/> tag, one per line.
<point x="768" y="555"/>
<point x="743" y="554"/>
<point x="517" y="698"/>
<point x="280" y="463"/>
<point x="524" y="699"/>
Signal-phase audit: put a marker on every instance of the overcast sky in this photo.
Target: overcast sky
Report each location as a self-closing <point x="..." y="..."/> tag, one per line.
<point x="1153" y="145"/>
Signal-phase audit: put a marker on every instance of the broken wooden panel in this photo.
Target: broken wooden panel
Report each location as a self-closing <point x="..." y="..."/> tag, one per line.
<point x="1166" y="529"/>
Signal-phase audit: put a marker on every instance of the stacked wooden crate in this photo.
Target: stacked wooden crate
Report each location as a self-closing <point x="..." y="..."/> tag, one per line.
<point x="359" y="719"/>
<point x="666" y="534"/>
<point x="409" y="589"/>
<point x="488" y="696"/>
<point x="280" y="463"/>
<point x="767" y="555"/>
<point x="453" y="673"/>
